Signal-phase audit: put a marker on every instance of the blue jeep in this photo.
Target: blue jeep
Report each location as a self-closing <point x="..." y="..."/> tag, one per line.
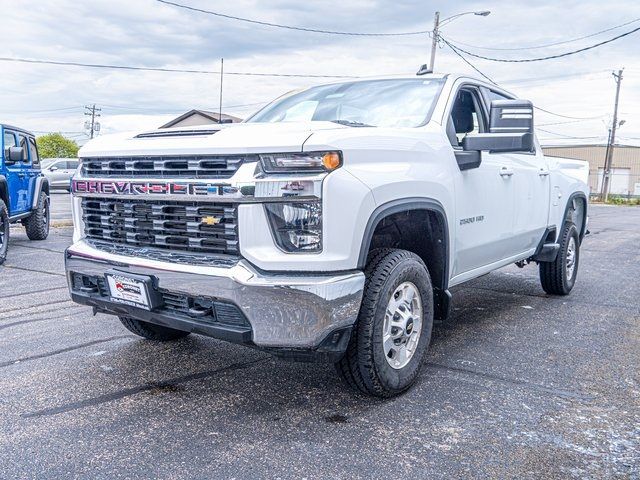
<point x="24" y="191"/>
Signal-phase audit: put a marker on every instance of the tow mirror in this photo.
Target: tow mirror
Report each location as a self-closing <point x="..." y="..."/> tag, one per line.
<point x="510" y="129"/>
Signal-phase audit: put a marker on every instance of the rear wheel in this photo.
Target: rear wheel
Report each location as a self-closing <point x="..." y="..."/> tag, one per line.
<point x="559" y="277"/>
<point x="151" y="331"/>
<point x="393" y="331"/>
<point x="4" y="231"/>
<point x="37" y="224"/>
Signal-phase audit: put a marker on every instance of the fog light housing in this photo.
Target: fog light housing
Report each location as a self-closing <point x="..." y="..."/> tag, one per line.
<point x="296" y="226"/>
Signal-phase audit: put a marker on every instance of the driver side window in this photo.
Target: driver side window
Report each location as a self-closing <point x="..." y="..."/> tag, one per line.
<point x="466" y="116"/>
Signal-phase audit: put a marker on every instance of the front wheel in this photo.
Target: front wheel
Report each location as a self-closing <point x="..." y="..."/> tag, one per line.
<point x="37" y="224"/>
<point x="151" y="331"/>
<point x="559" y="277"/>
<point x="393" y="330"/>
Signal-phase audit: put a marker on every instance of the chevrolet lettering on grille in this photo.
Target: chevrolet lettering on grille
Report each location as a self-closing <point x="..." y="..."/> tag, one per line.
<point x="114" y="187"/>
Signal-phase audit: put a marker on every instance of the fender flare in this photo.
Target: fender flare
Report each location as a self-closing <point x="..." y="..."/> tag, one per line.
<point x="571" y="203"/>
<point x="42" y="185"/>
<point x="441" y="294"/>
<point x="401" y="205"/>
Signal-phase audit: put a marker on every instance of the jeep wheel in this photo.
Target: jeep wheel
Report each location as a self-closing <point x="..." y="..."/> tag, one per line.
<point x="4" y="231"/>
<point x="389" y="341"/>
<point x="37" y="224"/>
<point x="151" y="331"/>
<point x="558" y="277"/>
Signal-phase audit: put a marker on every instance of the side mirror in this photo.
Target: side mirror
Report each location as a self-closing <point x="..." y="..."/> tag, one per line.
<point x="13" y="155"/>
<point x="53" y="168"/>
<point x="510" y="129"/>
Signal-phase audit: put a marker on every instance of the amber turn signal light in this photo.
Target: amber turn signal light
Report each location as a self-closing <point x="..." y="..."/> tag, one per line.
<point x="331" y="160"/>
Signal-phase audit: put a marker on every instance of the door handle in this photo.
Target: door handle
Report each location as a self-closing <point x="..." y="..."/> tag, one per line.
<point x="543" y="172"/>
<point x="506" y="172"/>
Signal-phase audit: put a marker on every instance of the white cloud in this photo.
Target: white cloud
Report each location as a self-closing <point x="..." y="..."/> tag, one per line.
<point x="147" y="33"/>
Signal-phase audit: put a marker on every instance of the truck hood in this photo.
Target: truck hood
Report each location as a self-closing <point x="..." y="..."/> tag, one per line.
<point x="223" y="139"/>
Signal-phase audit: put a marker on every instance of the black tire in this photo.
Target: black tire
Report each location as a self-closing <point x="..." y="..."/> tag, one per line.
<point x="151" y="331"/>
<point x="4" y="231"/>
<point x="365" y="366"/>
<point x="37" y="224"/>
<point x="554" y="275"/>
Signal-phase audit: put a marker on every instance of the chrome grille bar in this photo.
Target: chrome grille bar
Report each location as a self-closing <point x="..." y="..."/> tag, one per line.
<point x="201" y="166"/>
<point x="181" y="226"/>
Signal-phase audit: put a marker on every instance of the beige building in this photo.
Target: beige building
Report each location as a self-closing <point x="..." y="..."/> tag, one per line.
<point x="625" y="178"/>
<point x="200" y="117"/>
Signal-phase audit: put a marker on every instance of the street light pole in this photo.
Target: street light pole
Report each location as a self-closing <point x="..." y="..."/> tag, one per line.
<point x="436" y="31"/>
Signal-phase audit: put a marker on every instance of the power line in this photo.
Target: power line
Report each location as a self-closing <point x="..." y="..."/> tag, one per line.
<point x="291" y="27"/>
<point x="52" y="109"/>
<point x="455" y="50"/>
<point x="563" y="135"/>
<point x="159" y="69"/>
<point x="566" y="123"/>
<point x="546" y="45"/>
<point x="548" y="57"/>
<point x="567" y="116"/>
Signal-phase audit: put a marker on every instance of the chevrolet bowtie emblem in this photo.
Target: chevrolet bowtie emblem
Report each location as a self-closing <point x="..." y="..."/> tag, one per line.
<point x="211" y="220"/>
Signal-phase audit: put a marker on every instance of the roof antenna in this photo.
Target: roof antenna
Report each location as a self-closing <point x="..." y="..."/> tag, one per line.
<point x="424" y="69"/>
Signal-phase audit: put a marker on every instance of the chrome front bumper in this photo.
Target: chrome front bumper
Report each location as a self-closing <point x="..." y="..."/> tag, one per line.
<point x="286" y="311"/>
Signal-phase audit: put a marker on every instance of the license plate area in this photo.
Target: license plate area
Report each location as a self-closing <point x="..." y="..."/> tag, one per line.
<point x="132" y="289"/>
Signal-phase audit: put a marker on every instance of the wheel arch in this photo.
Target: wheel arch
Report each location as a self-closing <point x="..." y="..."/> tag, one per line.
<point x="578" y="202"/>
<point x="42" y="185"/>
<point x="427" y="220"/>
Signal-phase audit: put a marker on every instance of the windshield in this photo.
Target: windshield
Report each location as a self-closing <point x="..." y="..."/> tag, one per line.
<point x="377" y="103"/>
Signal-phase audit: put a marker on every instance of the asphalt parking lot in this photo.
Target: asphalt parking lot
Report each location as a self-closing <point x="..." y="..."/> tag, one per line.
<point x="518" y="385"/>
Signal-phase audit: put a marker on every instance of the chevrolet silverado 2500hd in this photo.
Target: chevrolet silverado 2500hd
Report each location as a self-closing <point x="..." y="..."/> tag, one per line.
<point x="330" y="225"/>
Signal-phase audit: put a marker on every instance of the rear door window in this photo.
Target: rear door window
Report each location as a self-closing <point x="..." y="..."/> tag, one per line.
<point x="25" y="148"/>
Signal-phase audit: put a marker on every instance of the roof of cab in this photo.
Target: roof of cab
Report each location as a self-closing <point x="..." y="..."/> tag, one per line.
<point x="17" y="129"/>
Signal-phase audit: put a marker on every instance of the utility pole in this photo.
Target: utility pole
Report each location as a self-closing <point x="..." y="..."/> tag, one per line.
<point x="434" y="40"/>
<point x="221" y="78"/>
<point x="606" y="174"/>
<point x="92" y="111"/>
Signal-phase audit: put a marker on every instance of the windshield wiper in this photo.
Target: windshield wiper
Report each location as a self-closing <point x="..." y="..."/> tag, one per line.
<point x="351" y="123"/>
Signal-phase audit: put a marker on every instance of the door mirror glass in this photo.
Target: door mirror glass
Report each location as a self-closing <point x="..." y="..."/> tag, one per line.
<point x="510" y="129"/>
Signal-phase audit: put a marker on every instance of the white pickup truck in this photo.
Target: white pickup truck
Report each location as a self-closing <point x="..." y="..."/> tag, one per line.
<point x="328" y="226"/>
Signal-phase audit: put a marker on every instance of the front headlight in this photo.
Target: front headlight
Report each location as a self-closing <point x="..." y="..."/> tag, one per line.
<point x="296" y="226"/>
<point x="312" y="162"/>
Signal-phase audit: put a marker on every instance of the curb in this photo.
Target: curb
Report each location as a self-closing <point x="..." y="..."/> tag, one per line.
<point x="61" y="223"/>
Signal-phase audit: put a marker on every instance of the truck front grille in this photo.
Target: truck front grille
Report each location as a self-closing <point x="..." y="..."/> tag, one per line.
<point x="199" y="166"/>
<point x="178" y="226"/>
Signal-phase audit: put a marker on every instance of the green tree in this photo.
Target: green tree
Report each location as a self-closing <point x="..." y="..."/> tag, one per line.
<point x="54" y="145"/>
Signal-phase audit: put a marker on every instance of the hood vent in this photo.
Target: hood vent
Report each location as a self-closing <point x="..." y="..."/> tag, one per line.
<point x="177" y="133"/>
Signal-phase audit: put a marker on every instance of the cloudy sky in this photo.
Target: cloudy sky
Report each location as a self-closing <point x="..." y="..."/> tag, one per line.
<point x="147" y="33"/>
